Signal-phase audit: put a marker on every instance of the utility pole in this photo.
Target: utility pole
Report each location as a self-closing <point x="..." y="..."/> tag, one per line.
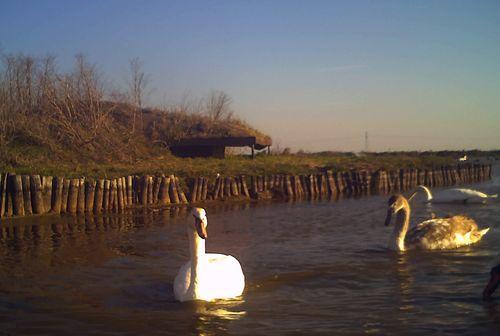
<point x="366" y="141"/>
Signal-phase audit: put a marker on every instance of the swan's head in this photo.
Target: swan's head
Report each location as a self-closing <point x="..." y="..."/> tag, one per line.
<point x="200" y="222"/>
<point x="493" y="283"/>
<point x="395" y="204"/>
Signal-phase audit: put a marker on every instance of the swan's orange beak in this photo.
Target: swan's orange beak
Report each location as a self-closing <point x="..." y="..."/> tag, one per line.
<point x="201" y="228"/>
<point x="491" y="286"/>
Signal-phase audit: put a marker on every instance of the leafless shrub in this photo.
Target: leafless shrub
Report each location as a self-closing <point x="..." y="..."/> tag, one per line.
<point x="17" y="94"/>
<point x="75" y="104"/>
<point x="38" y="103"/>
<point x="138" y="83"/>
<point x="218" y="106"/>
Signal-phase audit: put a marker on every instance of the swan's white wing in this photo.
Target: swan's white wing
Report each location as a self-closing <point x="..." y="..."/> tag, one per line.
<point x="222" y="277"/>
<point x="219" y="277"/>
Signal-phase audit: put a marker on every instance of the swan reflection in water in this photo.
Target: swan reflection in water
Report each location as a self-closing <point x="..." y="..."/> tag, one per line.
<point x="216" y="317"/>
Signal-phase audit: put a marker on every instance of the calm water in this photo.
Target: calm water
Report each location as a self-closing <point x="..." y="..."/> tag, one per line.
<point x="315" y="268"/>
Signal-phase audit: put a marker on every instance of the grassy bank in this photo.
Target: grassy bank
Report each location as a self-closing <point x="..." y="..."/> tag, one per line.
<point x="232" y="165"/>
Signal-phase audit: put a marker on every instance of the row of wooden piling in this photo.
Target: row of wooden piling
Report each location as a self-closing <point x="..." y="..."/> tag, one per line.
<point x="22" y="195"/>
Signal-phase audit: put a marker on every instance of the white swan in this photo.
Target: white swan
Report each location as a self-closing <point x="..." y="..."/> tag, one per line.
<point x="207" y="276"/>
<point x="432" y="234"/>
<point x="456" y="195"/>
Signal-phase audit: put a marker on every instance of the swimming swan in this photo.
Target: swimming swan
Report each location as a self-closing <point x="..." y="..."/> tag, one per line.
<point x="207" y="276"/>
<point x="432" y="234"/>
<point x="456" y="195"/>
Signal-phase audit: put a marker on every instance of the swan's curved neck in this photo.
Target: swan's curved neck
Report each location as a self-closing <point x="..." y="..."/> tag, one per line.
<point x="196" y="251"/>
<point x="397" y="240"/>
<point x="427" y="192"/>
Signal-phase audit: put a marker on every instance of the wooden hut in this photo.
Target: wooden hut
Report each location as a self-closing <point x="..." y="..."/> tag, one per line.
<point x="216" y="146"/>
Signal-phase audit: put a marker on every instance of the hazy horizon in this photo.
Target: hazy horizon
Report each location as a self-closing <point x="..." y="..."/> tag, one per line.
<point x="313" y="75"/>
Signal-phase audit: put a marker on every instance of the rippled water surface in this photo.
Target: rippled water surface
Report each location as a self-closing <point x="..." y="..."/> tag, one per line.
<point x="310" y="267"/>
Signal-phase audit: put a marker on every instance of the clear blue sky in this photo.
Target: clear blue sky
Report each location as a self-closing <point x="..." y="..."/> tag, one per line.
<point x="313" y="74"/>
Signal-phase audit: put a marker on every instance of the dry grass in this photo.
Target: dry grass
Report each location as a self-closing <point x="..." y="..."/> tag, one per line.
<point x="163" y="162"/>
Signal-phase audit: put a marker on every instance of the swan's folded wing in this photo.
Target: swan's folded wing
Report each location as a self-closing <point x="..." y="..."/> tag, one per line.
<point x="224" y="276"/>
<point x="443" y="233"/>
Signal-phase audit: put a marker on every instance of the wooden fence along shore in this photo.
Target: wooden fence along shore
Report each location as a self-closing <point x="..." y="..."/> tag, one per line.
<point x="22" y="195"/>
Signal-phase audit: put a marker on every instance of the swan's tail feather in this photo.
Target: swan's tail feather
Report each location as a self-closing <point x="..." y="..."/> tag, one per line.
<point x="493" y="196"/>
<point x="477" y="235"/>
<point x="483" y="232"/>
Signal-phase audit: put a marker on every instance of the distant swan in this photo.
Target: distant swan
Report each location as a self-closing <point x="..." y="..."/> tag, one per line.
<point x="492" y="283"/>
<point x="207" y="276"/>
<point x="456" y="195"/>
<point x="432" y="234"/>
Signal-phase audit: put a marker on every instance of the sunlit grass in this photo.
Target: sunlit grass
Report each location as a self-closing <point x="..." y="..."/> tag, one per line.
<point x="164" y="163"/>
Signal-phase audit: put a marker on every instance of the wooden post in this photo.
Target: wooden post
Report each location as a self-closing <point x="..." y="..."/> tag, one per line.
<point x="204" y="189"/>
<point x="244" y="187"/>
<point x="120" y="199"/>
<point x="36" y="194"/>
<point x="346" y="181"/>
<point x="65" y="193"/>
<point x="288" y="187"/>
<point x="73" y="196"/>
<point x="136" y="189"/>
<point x="311" y="186"/>
<point x="81" y="196"/>
<point x="105" y="195"/>
<point x="156" y="188"/>
<point x="254" y="187"/>
<point x="3" y="193"/>
<point x="174" y="196"/>
<point x="130" y="199"/>
<point x="199" y="191"/>
<point x="227" y="187"/>
<point x="143" y="190"/>
<point x="164" y="187"/>
<point x="260" y="183"/>
<point x="123" y="182"/>
<point x="297" y="191"/>
<point x="217" y="187"/>
<point x="47" y="193"/>
<point x="114" y="203"/>
<point x="15" y="189"/>
<point x="90" y="187"/>
<point x="234" y="188"/>
<point x="194" y="190"/>
<point x="150" y="190"/>
<point x="99" y="196"/>
<point x="26" y="194"/>
<point x="57" y="189"/>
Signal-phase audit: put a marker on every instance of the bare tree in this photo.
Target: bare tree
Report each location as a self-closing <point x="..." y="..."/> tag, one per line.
<point x="218" y="106"/>
<point x="17" y="98"/>
<point x="138" y="83"/>
<point x="75" y="104"/>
